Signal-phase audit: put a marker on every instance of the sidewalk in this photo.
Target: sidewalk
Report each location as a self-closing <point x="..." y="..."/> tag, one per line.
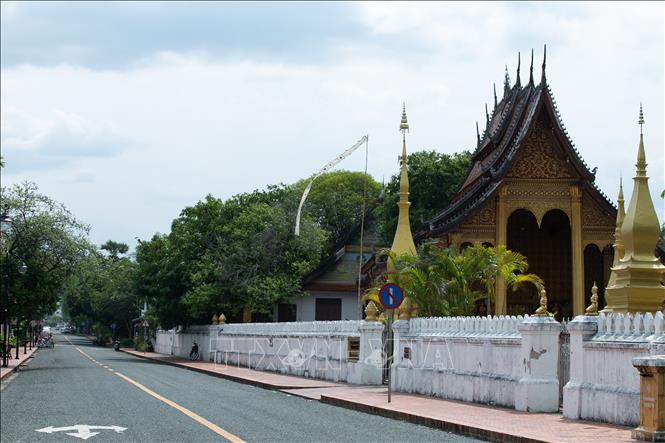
<point x="486" y="422"/>
<point x="14" y="363"/>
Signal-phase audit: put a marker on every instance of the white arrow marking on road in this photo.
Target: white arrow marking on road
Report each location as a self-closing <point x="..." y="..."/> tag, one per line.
<point x="82" y="431"/>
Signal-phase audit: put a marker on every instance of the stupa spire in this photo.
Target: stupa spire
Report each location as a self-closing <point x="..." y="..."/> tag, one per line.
<point x="403" y="241"/>
<point x="618" y="243"/>
<point x="637" y="286"/>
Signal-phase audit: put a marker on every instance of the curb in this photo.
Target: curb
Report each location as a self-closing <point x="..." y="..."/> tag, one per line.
<point x="245" y="381"/>
<point x="16" y="368"/>
<point x="449" y="426"/>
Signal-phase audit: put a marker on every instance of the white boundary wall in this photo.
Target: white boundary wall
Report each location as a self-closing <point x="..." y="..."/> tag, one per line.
<point x="507" y="361"/>
<point x="604" y="385"/>
<point x="309" y="349"/>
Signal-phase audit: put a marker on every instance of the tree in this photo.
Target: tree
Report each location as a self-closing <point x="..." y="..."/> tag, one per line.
<point x="448" y="282"/>
<point x="49" y="240"/>
<point x="115" y="249"/>
<point x="242" y="253"/>
<point x="433" y="180"/>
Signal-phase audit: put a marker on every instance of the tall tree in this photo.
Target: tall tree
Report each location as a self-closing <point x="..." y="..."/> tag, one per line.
<point x="433" y="180"/>
<point x="49" y="240"/>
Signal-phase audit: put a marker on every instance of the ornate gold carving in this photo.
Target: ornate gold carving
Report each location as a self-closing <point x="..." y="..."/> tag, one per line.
<point x="593" y="307"/>
<point x="592" y="215"/>
<point x="540" y="157"/>
<point x="542" y="310"/>
<point x="454" y="238"/>
<point x="486" y="216"/>
<point x="370" y="311"/>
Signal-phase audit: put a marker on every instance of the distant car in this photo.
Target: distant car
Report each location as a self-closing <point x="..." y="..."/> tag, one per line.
<point x="66" y="330"/>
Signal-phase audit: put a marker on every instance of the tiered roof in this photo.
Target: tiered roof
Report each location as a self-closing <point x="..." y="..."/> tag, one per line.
<point x="506" y="130"/>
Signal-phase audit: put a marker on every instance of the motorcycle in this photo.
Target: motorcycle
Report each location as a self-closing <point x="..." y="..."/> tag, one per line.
<point x="116" y="345"/>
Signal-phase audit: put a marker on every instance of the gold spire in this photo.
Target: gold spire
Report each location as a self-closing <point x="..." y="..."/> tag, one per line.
<point x="637" y="287"/>
<point x="403" y="241"/>
<point x="618" y="243"/>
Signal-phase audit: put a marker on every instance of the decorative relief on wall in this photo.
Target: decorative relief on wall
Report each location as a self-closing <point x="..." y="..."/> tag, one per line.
<point x="592" y="215"/>
<point x="539" y="197"/>
<point x="486" y="216"/>
<point x="540" y="157"/>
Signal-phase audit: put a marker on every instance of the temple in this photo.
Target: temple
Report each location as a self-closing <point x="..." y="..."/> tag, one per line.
<point x="528" y="188"/>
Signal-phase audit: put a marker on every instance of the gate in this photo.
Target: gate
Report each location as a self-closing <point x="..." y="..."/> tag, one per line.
<point x="563" y="371"/>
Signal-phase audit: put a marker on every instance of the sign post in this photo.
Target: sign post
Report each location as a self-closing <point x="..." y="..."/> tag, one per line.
<point x="391" y="297"/>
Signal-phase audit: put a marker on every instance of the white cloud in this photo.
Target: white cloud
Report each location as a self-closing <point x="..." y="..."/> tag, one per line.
<point x="200" y="125"/>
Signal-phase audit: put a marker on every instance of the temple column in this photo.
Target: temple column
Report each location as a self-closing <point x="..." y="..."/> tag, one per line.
<point x="500" y="299"/>
<point x="576" y="250"/>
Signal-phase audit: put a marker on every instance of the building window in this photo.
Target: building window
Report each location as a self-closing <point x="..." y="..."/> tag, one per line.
<point x="286" y="312"/>
<point x="328" y="309"/>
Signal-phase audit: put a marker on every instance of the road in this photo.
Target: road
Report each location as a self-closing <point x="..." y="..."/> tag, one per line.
<point x="76" y="383"/>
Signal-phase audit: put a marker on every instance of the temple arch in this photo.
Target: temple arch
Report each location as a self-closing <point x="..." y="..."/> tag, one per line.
<point x="548" y="250"/>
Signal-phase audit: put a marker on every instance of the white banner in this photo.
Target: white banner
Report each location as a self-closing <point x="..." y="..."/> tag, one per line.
<point x="323" y="170"/>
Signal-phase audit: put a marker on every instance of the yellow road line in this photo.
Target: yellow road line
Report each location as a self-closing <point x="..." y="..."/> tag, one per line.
<point x="194" y="416"/>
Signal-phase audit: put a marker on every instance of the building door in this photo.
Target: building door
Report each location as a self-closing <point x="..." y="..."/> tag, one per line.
<point x="328" y="309"/>
<point x="548" y="251"/>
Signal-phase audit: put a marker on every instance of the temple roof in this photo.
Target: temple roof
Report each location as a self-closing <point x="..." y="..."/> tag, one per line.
<point x="506" y="130"/>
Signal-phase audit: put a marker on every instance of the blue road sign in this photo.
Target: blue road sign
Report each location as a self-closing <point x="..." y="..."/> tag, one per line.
<point x="391" y="296"/>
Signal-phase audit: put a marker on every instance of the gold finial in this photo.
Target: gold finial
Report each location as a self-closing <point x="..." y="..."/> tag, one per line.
<point x="221" y="320"/>
<point x="593" y="307"/>
<point x="214" y="319"/>
<point x="404" y="124"/>
<point x="641" y="120"/>
<point x="370" y="311"/>
<point x="405" y="309"/>
<point x="542" y="310"/>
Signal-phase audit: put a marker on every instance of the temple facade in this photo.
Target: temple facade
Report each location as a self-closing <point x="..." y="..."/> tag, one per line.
<point x="528" y="188"/>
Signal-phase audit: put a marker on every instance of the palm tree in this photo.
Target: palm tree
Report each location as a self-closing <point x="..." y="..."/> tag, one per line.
<point x="446" y="282"/>
<point x="503" y="263"/>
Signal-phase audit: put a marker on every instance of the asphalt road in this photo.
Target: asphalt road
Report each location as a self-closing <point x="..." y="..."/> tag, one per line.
<point x="79" y="384"/>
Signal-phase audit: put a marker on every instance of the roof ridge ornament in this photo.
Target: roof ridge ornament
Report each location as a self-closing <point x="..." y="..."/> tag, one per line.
<point x="518" y="83"/>
<point x="543" y="79"/>
<point x="487" y="118"/>
<point x="531" y="69"/>
<point x="506" y="83"/>
<point x="495" y="102"/>
<point x="477" y="133"/>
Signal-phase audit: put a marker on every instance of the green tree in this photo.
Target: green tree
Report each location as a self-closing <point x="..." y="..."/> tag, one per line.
<point x="448" y="282"/>
<point x="115" y="249"/>
<point x="49" y="240"/>
<point x="433" y="180"/>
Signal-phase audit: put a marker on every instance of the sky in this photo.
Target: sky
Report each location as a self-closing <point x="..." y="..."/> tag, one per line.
<point x="128" y="112"/>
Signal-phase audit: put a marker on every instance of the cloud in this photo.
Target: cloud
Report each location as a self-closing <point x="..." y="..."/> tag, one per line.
<point x="115" y="35"/>
<point x="30" y="143"/>
<point x="131" y="146"/>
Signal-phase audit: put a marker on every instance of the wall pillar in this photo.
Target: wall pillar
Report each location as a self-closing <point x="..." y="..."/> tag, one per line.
<point x="581" y="329"/>
<point x="500" y="298"/>
<point x="400" y="327"/>
<point x="370" y="356"/>
<point x="576" y="250"/>
<point x="538" y="389"/>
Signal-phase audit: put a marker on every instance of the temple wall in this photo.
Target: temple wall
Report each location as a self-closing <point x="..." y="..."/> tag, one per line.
<point x="506" y="361"/>
<point x="604" y="386"/>
<point x="323" y="350"/>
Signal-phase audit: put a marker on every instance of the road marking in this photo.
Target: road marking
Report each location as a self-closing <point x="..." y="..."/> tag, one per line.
<point x="194" y="416"/>
<point x="82" y="431"/>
